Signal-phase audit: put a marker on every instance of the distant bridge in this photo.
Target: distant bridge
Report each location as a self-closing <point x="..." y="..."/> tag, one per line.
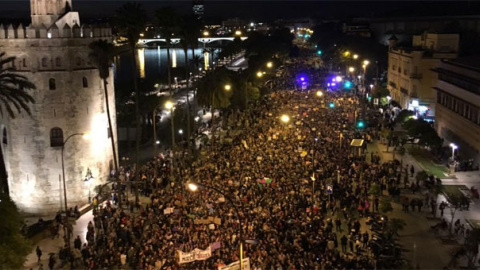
<point x="177" y="40"/>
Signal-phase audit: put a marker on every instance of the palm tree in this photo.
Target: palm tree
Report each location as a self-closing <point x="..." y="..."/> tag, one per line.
<point x="131" y="22"/>
<point x="101" y="53"/>
<point x="13" y="88"/>
<point x="189" y="34"/>
<point x="212" y="93"/>
<point x="167" y="20"/>
<point x="14" y="97"/>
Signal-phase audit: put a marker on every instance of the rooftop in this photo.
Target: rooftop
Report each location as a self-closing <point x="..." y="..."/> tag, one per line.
<point x="471" y="62"/>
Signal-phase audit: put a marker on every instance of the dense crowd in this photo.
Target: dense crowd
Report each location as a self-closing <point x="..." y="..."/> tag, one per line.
<point x="276" y="175"/>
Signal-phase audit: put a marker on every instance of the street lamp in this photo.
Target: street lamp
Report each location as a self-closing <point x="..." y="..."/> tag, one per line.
<point x="206" y="33"/>
<point x="180" y="131"/>
<point x="319" y="93"/>
<point x="454" y="147"/>
<point x="355" y="56"/>
<point x="269" y="65"/>
<point x="194" y="187"/>
<point x="169" y="106"/>
<point x="285" y="118"/>
<point x="366" y="62"/>
<point x="228" y="87"/>
<point x="351" y="69"/>
<point x="238" y="33"/>
<point x="259" y="74"/>
<point x="85" y="135"/>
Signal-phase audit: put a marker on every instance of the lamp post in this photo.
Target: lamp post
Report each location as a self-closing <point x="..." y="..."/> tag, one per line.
<point x="454" y="147"/>
<point x="194" y="187"/>
<point x="86" y="136"/>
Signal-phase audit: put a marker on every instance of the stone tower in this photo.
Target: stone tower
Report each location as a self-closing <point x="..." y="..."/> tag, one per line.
<point x="53" y="53"/>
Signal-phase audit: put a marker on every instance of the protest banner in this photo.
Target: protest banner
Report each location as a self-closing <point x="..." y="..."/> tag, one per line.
<point x="236" y="265"/>
<point x="194" y="255"/>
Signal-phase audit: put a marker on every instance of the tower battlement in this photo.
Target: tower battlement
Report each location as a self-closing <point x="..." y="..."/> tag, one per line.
<point x="11" y="31"/>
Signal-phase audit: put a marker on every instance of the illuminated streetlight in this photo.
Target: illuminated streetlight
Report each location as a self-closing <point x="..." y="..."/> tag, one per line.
<point x="169" y="105"/>
<point x="285" y="118"/>
<point x="238" y="33"/>
<point x="355" y="56"/>
<point x="193" y="187"/>
<point x="347" y="53"/>
<point x="338" y="79"/>
<point x="351" y="69"/>
<point x="180" y="131"/>
<point x="319" y="93"/>
<point x="269" y="65"/>
<point x="206" y="33"/>
<point x="228" y="87"/>
<point x="259" y="74"/>
<point x="157" y="142"/>
<point x="366" y="62"/>
<point x="454" y="147"/>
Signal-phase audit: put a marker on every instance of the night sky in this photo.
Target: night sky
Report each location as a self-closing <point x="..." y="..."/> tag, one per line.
<point x="265" y="10"/>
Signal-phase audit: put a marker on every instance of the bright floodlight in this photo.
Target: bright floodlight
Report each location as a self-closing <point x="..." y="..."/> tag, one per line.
<point x="285" y="118"/>
<point x="87" y="135"/>
<point x="259" y="74"/>
<point x="366" y="62"/>
<point x="169" y="105"/>
<point x="206" y="33"/>
<point x="192" y="187"/>
<point x="351" y="69"/>
<point x="157" y="142"/>
<point x="355" y="56"/>
<point x="453" y="146"/>
<point x="319" y="93"/>
<point x="269" y="65"/>
<point x="228" y="87"/>
<point x="338" y="79"/>
<point x="180" y="131"/>
<point x="238" y="33"/>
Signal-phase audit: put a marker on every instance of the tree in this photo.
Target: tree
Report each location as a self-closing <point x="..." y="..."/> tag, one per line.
<point x="385" y="205"/>
<point x="101" y="53"/>
<point x="454" y="203"/>
<point x="13" y="245"/>
<point x="381" y="93"/>
<point x="14" y="96"/>
<point x="13" y="88"/>
<point x="394" y="226"/>
<point x="131" y="22"/>
<point x="168" y="22"/>
<point x="403" y="116"/>
<point x="471" y="246"/>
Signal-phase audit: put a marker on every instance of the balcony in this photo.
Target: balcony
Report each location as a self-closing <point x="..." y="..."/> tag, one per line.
<point x="392" y="84"/>
<point x="404" y="91"/>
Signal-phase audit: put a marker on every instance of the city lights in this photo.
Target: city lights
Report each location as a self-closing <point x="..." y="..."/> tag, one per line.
<point x="285" y="118"/>
<point x="228" y="87"/>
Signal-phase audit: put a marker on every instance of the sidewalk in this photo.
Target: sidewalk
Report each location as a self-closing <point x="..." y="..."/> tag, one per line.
<point x="424" y="247"/>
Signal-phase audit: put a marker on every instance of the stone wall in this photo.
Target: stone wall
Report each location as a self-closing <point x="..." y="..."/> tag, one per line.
<point x="76" y="104"/>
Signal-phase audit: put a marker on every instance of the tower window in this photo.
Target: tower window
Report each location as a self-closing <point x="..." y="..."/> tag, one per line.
<point x="85" y="82"/>
<point x="5" y="138"/>
<point x="58" y="61"/>
<point x="51" y="84"/>
<point x="56" y="137"/>
<point x="78" y="61"/>
<point x="24" y="62"/>
<point x="44" y="62"/>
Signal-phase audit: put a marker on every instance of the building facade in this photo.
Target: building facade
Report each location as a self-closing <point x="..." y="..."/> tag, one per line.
<point x="410" y="79"/>
<point x="53" y="53"/>
<point x="458" y="105"/>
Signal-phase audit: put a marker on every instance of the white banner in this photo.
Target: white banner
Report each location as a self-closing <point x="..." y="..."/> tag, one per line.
<point x="236" y="265"/>
<point x="194" y="255"/>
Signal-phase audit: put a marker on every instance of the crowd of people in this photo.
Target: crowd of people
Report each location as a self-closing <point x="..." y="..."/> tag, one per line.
<point x="276" y="176"/>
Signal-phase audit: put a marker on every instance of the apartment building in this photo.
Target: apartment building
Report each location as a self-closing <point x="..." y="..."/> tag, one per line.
<point x="410" y="79"/>
<point x="457" y="92"/>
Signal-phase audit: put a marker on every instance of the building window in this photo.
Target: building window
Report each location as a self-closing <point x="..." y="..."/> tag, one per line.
<point x="24" y="62"/>
<point x="51" y="84"/>
<point x="78" y="61"/>
<point x="56" y="137"/>
<point x="44" y="62"/>
<point x="4" y="138"/>
<point x="85" y="82"/>
<point x="58" y="62"/>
